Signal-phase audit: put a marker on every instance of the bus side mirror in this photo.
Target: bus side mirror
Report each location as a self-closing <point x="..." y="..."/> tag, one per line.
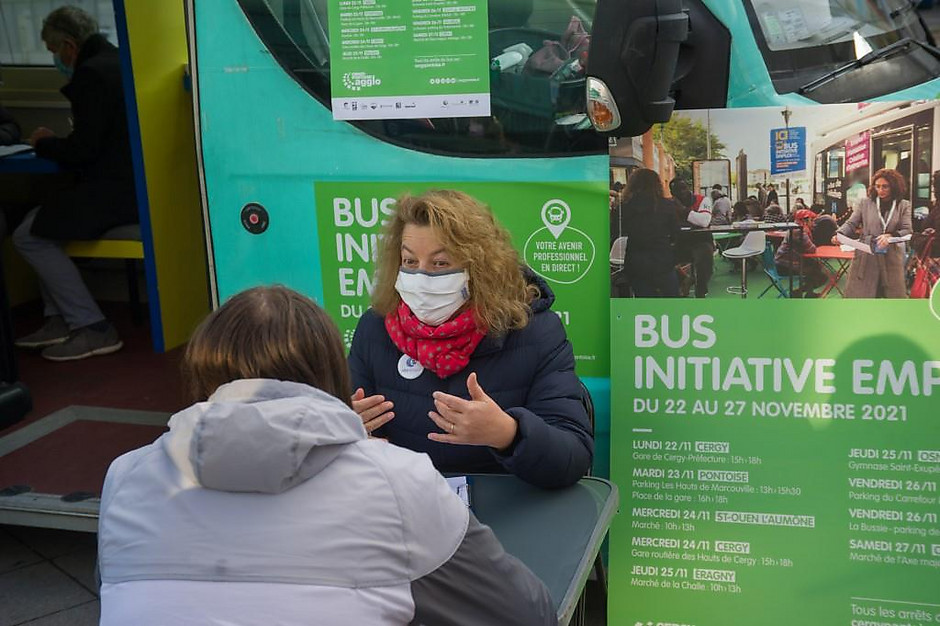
<point x="632" y="62"/>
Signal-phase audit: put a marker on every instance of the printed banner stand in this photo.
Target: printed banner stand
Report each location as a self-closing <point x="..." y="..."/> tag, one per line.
<point x="776" y="474"/>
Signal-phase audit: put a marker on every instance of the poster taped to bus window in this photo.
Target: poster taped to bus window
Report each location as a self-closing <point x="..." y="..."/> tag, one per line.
<point x="416" y="61"/>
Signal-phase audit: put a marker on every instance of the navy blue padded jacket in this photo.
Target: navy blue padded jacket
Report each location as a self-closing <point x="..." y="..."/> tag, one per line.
<point x="529" y="373"/>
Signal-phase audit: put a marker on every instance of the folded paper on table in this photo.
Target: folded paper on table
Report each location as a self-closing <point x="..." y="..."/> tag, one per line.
<point x="461" y="487"/>
<point x="17" y="148"/>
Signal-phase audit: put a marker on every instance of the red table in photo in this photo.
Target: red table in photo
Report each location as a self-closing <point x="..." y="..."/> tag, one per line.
<point x="835" y="261"/>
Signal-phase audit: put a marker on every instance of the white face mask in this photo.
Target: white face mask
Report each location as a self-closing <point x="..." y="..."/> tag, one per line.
<point x="433" y="298"/>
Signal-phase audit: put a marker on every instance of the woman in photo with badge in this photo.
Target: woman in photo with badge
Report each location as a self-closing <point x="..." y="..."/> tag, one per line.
<point x="460" y="355"/>
<point x="877" y="218"/>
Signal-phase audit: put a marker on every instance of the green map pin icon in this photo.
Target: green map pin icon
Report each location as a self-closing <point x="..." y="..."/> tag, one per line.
<point x="555" y="215"/>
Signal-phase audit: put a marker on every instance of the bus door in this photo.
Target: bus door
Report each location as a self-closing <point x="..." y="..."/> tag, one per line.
<point x="923" y="165"/>
<point x="893" y="150"/>
<point x="907" y="146"/>
<point x="909" y="151"/>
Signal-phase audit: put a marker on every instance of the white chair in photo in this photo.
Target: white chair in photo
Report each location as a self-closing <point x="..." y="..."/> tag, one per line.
<point x="619" y="285"/>
<point x="618" y="252"/>
<point x="752" y="246"/>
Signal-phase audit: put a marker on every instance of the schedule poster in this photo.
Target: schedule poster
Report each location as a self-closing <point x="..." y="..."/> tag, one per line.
<point x="405" y="59"/>
<point x="554" y="227"/>
<point x="779" y="462"/>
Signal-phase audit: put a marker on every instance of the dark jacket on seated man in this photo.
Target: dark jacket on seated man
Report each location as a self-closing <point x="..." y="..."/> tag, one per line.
<point x="9" y="129"/>
<point x="98" y="151"/>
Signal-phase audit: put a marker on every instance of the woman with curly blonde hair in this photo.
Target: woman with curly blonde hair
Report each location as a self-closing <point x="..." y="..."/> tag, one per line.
<point x="884" y="214"/>
<point x="460" y="355"/>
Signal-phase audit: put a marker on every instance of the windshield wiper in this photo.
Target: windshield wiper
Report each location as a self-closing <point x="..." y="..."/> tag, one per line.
<point x="875" y="55"/>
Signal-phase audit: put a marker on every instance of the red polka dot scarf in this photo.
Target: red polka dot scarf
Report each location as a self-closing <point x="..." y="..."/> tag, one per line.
<point x="444" y="349"/>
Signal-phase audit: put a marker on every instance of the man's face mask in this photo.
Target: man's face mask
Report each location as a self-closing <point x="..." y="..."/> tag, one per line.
<point x="60" y="64"/>
<point x="62" y="67"/>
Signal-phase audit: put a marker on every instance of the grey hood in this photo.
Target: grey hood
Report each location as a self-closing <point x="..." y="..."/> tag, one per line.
<point x="262" y="436"/>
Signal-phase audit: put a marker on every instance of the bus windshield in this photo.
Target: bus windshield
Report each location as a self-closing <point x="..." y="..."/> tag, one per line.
<point x="790" y="24"/>
<point x="802" y="40"/>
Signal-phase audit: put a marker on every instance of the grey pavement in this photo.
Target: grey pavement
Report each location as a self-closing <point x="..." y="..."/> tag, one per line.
<point x="47" y="577"/>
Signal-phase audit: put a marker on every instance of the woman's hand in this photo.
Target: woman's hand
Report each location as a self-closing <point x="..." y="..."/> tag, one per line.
<point x="374" y="410"/>
<point x="478" y="421"/>
<point x="835" y="240"/>
<point x="884" y="240"/>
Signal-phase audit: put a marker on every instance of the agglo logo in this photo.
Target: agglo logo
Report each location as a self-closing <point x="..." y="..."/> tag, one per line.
<point x="356" y="81"/>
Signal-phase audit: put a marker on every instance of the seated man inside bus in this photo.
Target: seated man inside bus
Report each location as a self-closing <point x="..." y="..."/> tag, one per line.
<point x="102" y="196"/>
<point x="9" y="135"/>
<point x="9" y="129"/>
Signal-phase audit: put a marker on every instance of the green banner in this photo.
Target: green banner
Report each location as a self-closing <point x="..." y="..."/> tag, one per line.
<point x="554" y="228"/>
<point x="779" y="462"/>
<point x="409" y="59"/>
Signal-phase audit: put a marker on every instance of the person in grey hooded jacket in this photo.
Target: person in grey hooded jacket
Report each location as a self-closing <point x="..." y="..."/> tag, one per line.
<point x="267" y="502"/>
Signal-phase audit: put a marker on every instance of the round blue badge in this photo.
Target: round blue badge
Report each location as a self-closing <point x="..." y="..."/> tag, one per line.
<point x="409" y="368"/>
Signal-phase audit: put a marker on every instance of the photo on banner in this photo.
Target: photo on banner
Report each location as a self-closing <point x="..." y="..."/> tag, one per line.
<point x="781" y="202"/>
<point x="780" y="461"/>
